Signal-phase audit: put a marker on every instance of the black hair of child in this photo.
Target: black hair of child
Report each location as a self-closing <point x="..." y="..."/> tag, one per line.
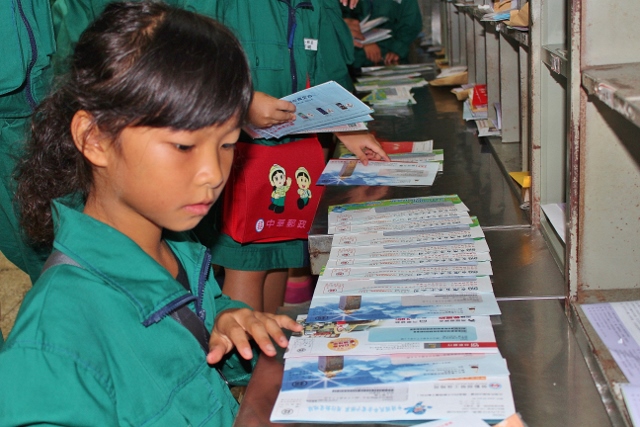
<point x="139" y="64"/>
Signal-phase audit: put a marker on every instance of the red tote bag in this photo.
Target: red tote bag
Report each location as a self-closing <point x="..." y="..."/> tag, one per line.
<point x="271" y="194"/>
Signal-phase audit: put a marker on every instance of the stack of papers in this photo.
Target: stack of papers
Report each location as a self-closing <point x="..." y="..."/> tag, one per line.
<point x="387" y="70"/>
<point x="322" y="108"/>
<point x="391" y="81"/>
<point x="399" y="326"/>
<point x="371" y="33"/>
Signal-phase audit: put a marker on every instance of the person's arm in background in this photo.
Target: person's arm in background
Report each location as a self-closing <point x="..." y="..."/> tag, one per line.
<point x="406" y="27"/>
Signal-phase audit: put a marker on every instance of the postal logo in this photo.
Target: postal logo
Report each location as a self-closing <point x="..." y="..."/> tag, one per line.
<point x="260" y="225"/>
<point x="342" y="344"/>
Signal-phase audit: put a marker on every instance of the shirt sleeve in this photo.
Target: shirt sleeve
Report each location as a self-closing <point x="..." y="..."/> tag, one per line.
<point x="406" y="28"/>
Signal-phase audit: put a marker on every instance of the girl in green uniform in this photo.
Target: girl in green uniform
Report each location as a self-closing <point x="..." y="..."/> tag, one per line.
<point x="126" y="325"/>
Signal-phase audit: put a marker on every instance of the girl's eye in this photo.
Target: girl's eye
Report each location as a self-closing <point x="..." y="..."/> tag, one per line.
<point x="229" y="146"/>
<point x="181" y="147"/>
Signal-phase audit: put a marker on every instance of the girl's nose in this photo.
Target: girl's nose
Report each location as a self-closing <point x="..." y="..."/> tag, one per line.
<point x="212" y="172"/>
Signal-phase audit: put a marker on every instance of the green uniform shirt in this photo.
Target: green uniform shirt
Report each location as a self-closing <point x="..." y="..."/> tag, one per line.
<point x="25" y="76"/>
<point x="94" y="346"/>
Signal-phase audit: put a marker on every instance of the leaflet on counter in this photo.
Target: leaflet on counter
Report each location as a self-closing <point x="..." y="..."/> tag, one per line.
<point x="328" y="286"/>
<point x="334" y="308"/>
<point x="327" y="372"/>
<point x="618" y="325"/>
<point x="423" y="261"/>
<point x="322" y="106"/>
<point x="476" y="247"/>
<point x="437" y="271"/>
<point x="380" y="70"/>
<point x="382" y="208"/>
<point x="398" y="213"/>
<point x="395" y="214"/>
<point x="461" y="220"/>
<point x="490" y="399"/>
<point x="353" y="172"/>
<point x="446" y="334"/>
<point x="389" y="239"/>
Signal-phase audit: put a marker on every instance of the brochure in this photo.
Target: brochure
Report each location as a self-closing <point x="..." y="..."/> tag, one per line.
<point x="476" y="247"/>
<point x="446" y="334"/>
<point x="380" y="70"/>
<point x="468" y="114"/>
<point x="618" y="325"/>
<point x="375" y="35"/>
<point x="412" y="260"/>
<point x="405" y="75"/>
<point x="417" y="224"/>
<point x="464" y="420"/>
<point x="379" y="215"/>
<point x="390" y="96"/>
<point x="353" y="127"/>
<point x="353" y="172"/>
<point x="328" y="286"/>
<point x="327" y="372"/>
<point x="486" y="127"/>
<point x="444" y="271"/>
<point x="333" y="308"/>
<point x="367" y="24"/>
<point x="394" y="239"/>
<point x="490" y="399"/>
<point x="322" y="106"/>
<point x="437" y="156"/>
<point x="366" y="210"/>
<point x="631" y="396"/>
<point x="390" y="81"/>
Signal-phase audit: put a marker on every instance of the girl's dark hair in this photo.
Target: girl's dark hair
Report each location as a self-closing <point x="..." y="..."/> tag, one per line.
<point x="138" y="64"/>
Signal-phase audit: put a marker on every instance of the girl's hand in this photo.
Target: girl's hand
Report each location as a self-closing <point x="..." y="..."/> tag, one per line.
<point x="363" y="145"/>
<point x="266" y="111"/>
<point x="234" y="328"/>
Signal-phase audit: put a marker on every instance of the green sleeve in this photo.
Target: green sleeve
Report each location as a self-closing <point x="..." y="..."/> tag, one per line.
<point x="335" y="50"/>
<point x="407" y="28"/>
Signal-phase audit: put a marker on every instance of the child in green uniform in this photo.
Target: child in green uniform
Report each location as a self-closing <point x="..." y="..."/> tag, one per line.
<point x="25" y="75"/>
<point x="287" y="49"/>
<point x="404" y="21"/>
<point x="287" y="45"/>
<point x="126" y="325"/>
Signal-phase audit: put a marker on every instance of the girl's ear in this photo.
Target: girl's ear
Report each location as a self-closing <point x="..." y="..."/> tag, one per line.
<point x="89" y="140"/>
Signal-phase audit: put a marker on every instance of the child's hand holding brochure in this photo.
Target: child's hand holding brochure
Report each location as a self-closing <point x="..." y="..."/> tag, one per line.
<point x="324" y="108"/>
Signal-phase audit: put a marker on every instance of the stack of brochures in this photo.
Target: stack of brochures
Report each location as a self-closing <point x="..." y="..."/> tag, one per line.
<point x="324" y="108"/>
<point x="399" y="326"/>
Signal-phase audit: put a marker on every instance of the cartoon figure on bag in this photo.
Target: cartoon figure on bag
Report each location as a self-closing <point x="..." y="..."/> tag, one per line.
<point x="281" y="184"/>
<point x="304" y="181"/>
